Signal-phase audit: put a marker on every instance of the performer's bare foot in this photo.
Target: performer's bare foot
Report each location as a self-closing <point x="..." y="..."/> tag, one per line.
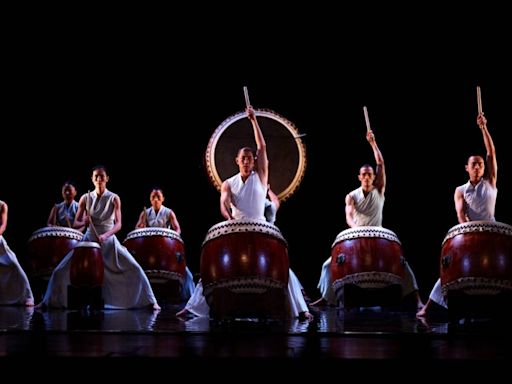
<point x="318" y="303"/>
<point x="156" y="307"/>
<point x="305" y="316"/>
<point x="29" y="303"/>
<point x="41" y="306"/>
<point x="422" y="312"/>
<point x="183" y="313"/>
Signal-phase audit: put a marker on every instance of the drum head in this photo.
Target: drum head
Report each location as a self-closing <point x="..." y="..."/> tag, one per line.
<point x="286" y="151"/>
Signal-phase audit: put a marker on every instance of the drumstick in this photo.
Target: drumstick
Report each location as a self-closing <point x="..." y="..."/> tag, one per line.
<point x="479" y="100"/>
<point x="67" y="220"/>
<point x="246" y="94"/>
<point x="366" y="118"/>
<point x="88" y="211"/>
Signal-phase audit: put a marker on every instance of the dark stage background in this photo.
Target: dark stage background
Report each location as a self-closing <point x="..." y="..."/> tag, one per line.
<point x="164" y="98"/>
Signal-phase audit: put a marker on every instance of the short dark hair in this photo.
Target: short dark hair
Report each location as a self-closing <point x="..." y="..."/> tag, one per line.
<point x="246" y="149"/>
<point x="100" y="166"/>
<point x="365" y="166"/>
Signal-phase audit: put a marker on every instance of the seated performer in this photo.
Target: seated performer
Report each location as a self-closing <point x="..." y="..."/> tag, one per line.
<point x="363" y="207"/>
<point x="243" y="197"/>
<point x="159" y="215"/>
<point x="475" y="200"/>
<point x="64" y="213"/>
<point x="125" y="284"/>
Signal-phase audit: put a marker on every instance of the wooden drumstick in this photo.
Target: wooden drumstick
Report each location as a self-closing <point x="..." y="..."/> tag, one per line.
<point x="246" y="94"/>
<point x="88" y="211"/>
<point x="479" y="100"/>
<point x="367" y="119"/>
<point x="67" y="220"/>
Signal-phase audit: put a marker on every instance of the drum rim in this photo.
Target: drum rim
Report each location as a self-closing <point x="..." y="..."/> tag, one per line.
<point x="374" y="231"/>
<point x="243" y="225"/>
<point x="88" y="244"/>
<point x="481" y="226"/>
<point x="153" y="231"/>
<point x="57" y="230"/>
<point x="211" y="166"/>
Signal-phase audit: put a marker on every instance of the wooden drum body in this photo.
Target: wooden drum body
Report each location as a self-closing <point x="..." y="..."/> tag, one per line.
<point x="47" y="247"/>
<point x="244" y="269"/>
<point x="368" y="258"/>
<point x="87" y="265"/>
<point x="86" y="276"/>
<point x="476" y="258"/>
<point x="159" y="251"/>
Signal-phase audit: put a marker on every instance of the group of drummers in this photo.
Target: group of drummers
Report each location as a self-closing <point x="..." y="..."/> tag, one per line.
<point x="241" y="266"/>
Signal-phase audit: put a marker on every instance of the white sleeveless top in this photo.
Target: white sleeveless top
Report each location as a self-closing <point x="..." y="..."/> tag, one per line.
<point x="101" y="210"/>
<point x="247" y="199"/>
<point x="160" y="219"/>
<point x="64" y="211"/>
<point x="480" y="200"/>
<point x="368" y="209"/>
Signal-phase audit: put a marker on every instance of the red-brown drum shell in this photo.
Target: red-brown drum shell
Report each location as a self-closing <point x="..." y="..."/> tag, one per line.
<point x="364" y="250"/>
<point x="47" y="247"/>
<point x="239" y="249"/>
<point x="157" y="249"/>
<point x="479" y="252"/>
<point x="87" y="265"/>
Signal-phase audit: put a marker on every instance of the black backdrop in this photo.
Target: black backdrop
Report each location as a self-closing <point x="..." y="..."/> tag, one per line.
<point x="163" y="97"/>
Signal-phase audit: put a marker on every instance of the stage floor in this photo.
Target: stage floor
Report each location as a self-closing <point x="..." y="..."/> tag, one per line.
<point x="368" y="338"/>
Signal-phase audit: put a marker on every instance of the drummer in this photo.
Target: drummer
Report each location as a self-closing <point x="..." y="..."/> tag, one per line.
<point x="63" y="214"/>
<point x="474" y="200"/>
<point x="14" y="285"/>
<point x="125" y="284"/>
<point x="243" y="197"/>
<point x="160" y="216"/>
<point x="363" y="207"/>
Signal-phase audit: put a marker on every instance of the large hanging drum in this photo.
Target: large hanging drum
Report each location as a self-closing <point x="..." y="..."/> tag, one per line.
<point x="159" y="251"/>
<point x="367" y="257"/>
<point x="47" y="247"/>
<point x="285" y="150"/>
<point x="476" y="258"/>
<point x="245" y="259"/>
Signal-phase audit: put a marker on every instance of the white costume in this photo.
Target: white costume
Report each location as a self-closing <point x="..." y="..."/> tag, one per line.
<point x="479" y="204"/>
<point x="368" y="212"/>
<point x="247" y="198"/>
<point x="480" y="200"/>
<point x="270" y="211"/>
<point x="125" y="284"/>
<point x="66" y="214"/>
<point x="160" y="219"/>
<point x="248" y="202"/>
<point x="14" y="285"/>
